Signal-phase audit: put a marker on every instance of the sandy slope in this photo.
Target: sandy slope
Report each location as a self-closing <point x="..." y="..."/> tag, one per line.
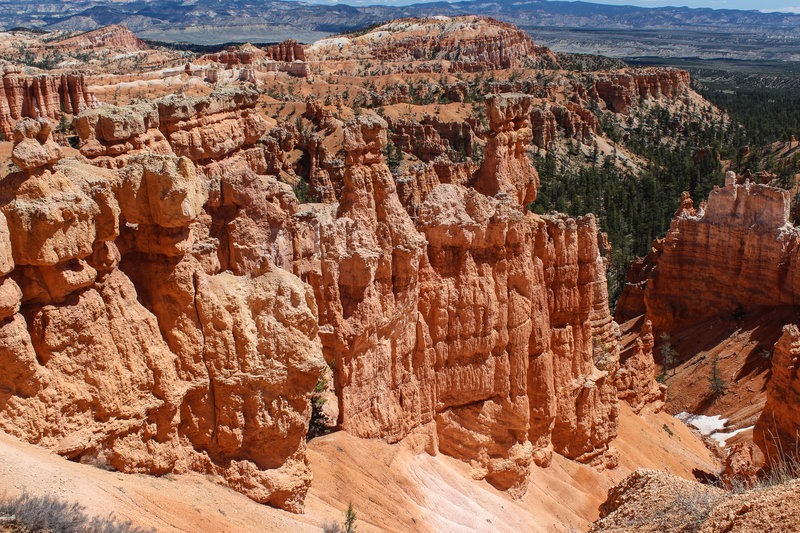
<point x="392" y="488"/>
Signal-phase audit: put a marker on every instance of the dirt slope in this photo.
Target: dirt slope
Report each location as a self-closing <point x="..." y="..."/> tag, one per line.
<point x="392" y="487"/>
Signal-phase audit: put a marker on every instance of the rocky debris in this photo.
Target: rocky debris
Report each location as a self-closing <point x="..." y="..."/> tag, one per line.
<point x="506" y="168"/>
<point x="777" y="429"/>
<point x="155" y="342"/>
<point x="659" y="502"/>
<point x="49" y="96"/>
<point x="116" y="36"/>
<point x="652" y="501"/>
<point x="620" y="89"/>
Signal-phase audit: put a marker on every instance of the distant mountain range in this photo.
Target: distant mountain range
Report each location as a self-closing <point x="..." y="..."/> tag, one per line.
<point x="567" y="26"/>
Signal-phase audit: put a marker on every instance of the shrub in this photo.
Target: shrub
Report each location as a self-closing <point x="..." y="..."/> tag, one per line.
<point x="718" y="385"/>
<point x="349" y="525"/>
<point x="317" y="425"/>
<point x="46" y="513"/>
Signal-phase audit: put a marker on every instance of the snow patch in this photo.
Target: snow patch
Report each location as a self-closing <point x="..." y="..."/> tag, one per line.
<point x="709" y="426"/>
<point x="722" y="438"/>
<point x="706" y="425"/>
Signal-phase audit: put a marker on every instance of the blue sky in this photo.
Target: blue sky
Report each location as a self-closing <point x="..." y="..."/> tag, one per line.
<point x="787" y="6"/>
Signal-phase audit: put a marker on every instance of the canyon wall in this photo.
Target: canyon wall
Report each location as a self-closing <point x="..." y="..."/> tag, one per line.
<point x="115" y="36"/>
<point x="738" y="251"/>
<point x="154" y="306"/>
<point x="46" y="95"/>
<point x="472" y="327"/>
<point x="777" y="430"/>
<point x="734" y="255"/>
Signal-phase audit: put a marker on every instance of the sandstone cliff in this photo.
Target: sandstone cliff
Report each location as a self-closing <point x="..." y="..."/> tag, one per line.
<point x="738" y="251"/>
<point x="120" y="321"/>
<point x="473" y="327"/>
<point x="778" y="427"/>
<point x="218" y="131"/>
<point x="48" y="96"/>
<point x="463" y="44"/>
<point x="620" y="89"/>
<point x="116" y="36"/>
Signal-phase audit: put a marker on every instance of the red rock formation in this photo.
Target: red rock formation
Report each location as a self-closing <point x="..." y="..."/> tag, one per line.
<point x="321" y="116"/>
<point x="475" y="327"/>
<point x="506" y="168"/>
<point x="778" y="427"/>
<point x="739" y="470"/>
<point x="288" y="50"/>
<point x="575" y="122"/>
<point x="421" y="140"/>
<point x="620" y="89"/>
<point x="110" y="134"/>
<point x="736" y="252"/>
<point x="636" y="379"/>
<point x="472" y="328"/>
<point x="115" y="36"/>
<point x="218" y="131"/>
<point x="48" y="96"/>
<point x="414" y="185"/>
<point x="468" y="44"/>
<point x="120" y="321"/>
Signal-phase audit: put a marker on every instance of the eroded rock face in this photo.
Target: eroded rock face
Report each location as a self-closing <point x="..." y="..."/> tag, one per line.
<point x="119" y="321"/>
<point x="471" y="327"/>
<point x="474" y="325"/>
<point x="506" y="168"/>
<point x="41" y="96"/>
<point x="115" y="36"/>
<point x="778" y="426"/>
<point x="471" y="44"/>
<point x="620" y="89"/>
<point x="218" y="131"/>
<point x="735" y="252"/>
<point x="636" y="377"/>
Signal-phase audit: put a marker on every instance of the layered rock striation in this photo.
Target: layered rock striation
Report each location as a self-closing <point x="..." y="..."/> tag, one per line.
<point x="738" y="251"/>
<point x="49" y="96"/>
<point x="473" y="325"/>
<point x="115" y="36"/>
<point x="218" y="131"/>
<point x="778" y="428"/>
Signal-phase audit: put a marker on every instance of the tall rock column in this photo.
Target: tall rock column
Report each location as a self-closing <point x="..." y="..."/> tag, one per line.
<point x="506" y="167"/>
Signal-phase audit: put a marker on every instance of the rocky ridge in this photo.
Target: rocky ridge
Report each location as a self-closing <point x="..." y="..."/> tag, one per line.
<point x="114" y="36"/>
<point x="463" y="44"/>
